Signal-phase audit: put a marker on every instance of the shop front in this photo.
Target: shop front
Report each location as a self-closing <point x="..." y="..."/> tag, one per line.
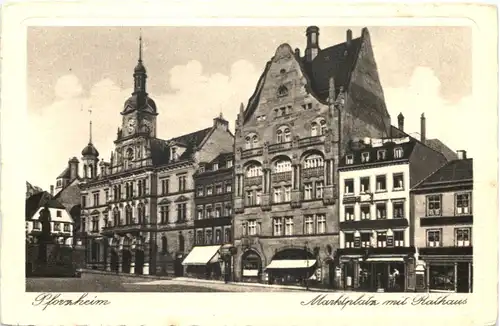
<point x="376" y="269"/>
<point x="203" y="262"/>
<point x="448" y="269"/>
<point x="251" y="265"/>
<point x="292" y="267"/>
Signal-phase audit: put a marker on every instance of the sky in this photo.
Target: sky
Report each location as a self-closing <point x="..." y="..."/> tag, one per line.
<point x="195" y="73"/>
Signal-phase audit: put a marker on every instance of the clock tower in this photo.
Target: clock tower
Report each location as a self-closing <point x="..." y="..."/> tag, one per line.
<point x="138" y="122"/>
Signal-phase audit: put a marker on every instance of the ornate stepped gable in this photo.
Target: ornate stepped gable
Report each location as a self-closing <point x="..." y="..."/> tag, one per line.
<point x="353" y="67"/>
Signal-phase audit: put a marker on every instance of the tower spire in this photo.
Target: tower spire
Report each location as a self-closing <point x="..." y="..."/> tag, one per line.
<point x="90" y="126"/>
<point x="140" y="46"/>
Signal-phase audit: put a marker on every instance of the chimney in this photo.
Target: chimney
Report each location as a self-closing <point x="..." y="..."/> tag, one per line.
<point x="461" y="154"/>
<point x="312" y="48"/>
<point x="297" y="53"/>
<point x="52" y="190"/>
<point x="401" y="122"/>
<point x="221" y="123"/>
<point x="73" y="168"/>
<point x="348" y="37"/>
<point x="422" y="128"/>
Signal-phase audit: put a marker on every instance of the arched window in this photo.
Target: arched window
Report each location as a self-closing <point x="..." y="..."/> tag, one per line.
<point x="314" y="129"/>
<point x="251" y="141"/>
<point x="283" y="135"/>
<point x="254" y="170"/>
<point x="313" y="161"/>
<point x="322" y="125"/>
<point x="128" y="215"/>
<point x="164" y="244"/>
<point x="130" y="154"/>
<point x="141" y="212"/>
<point x="282" y="165"/>
<point x="282" y="91"/>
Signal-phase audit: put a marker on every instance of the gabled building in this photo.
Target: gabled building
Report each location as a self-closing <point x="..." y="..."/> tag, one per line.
<point x="443" y="220"/>
<point x="375" y="177"/>
<point x="288" y="141"/>
<point x="142" y="199"/>
<point x="213" y="218"/>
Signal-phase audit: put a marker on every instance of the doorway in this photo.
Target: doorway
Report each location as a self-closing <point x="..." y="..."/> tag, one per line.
<point x="139" y="262"/>
<point x="463" y="277"/>
<point x="114" y="261"/>
<point x="127" y="259"/>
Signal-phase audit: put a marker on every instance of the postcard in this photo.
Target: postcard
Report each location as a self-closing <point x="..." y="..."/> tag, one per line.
<point x="176" y="163"/>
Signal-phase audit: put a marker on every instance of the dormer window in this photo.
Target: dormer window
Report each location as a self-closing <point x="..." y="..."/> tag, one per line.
<point x="229" y="163"/>
<point x="201" y="169"/>
<point x="398" y="152"/>
<point x="173" y="153"/>
<point x="349" y="159"/>
<point x="365" y="157"/>
<point x="381" y="154"/>
<point x="215" y="166"/>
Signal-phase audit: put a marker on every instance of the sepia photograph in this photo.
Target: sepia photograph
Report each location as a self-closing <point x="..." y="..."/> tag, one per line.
<point x="185" y="163"/>
<point x="332" y="173"/>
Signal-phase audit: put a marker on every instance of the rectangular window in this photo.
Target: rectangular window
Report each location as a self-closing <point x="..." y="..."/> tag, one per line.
<point x="215" y="166"/>
<point x="199" y="212"/>
<point x="67" y="227"/>
<point x="59" y="213"/>
<point x="209" y="211"/>
<point x="462" y="236"/>
<point x="365" y="240"/>
<point x="84" y="201"/>
<point x="106" y="195"/>
<point x="434" y="205"/>
<point x="250" y="198"/>
<point x="209" y="190"/>
<point x="309" y="224"/>
<point x="364" y="185"/>
<point x="433" y="238"/>
<point x="321" y="223"/>
<point x="381" y="211"/>
<point x="208" y="237"/>
<point x="96" y="199"/>
<point x="181" y="212"/>
<point x="308" y="191"/>
<point x="277" y="195"/>
<point x="349" y="240"/>
<point x="252" y="227"/>
<point x="36" y="225"/>
<point x="164" y="214"/>
<point x="349" y="213"/>
<point x="227" y="235"/>
<point x="228" y="187"/>
<point x="288" y="225"/>
<point x="95" y="224"/>
<point x="199" y="237"/>
<point x="218" y="211"/>
<point x="381" y="239"/>
<point x="57" y="227"/>
<point x="381" y="183"/>
<point x="277" y="226"/>
<point x="463" y="204"/>
<point x="228" y="211"/>
<point x="257" y="197"/>
<point x="349" y="187"/>
<point x="398" y="209"/>
<point x="199" y="191"/>
<point x="218" y="189"/>
<point x="288" y="193"/>
<point x="218" y="236"/>
<point x="399" y="239"/>
<point x="397" y="182"/>
<point x="319" y="189"/>
<point x="365" y="212"/>
<point x="165" y="186"/>
<point x="229" y="163"/>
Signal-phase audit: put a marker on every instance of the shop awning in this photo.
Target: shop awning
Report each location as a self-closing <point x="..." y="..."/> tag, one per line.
<point x="385" y="259"/>
<point x="291" y="263"/>
<point x="202" y="255"/>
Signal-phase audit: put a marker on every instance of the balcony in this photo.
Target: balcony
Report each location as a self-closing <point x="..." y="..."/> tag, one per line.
<point x="309" y="141"/>
<point x="251" y="152"/>
<point x="253" y="181"/>
<point x="281" y="176"/>
<point x="313" y="172"/>
<point x="124" y="228"/>
<point x="279" y="147"/>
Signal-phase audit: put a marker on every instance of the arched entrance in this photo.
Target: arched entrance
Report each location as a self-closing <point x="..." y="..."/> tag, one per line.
<point x="139" y="261"/>
<point x="291" y="266"/>
<point x="251" y="266"/>
<point x="126" y="260"/>
<point x="114" y="261"/>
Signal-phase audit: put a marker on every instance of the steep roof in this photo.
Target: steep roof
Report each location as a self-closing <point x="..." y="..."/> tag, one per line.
<point x="38" y="200"/>
<point x="453" y="171"/>
<point x="439" y="146"/>
<point x="160" y="149"/>
<point x="64" y="174"/>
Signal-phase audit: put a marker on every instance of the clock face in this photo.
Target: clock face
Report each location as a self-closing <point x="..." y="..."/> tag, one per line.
<point x="131" y="125"/>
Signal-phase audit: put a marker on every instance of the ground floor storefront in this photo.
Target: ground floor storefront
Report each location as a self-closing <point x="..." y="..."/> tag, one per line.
<point x="376" y="269"/>
<point x="448" y="269"/>
<point x="210" y="262"/>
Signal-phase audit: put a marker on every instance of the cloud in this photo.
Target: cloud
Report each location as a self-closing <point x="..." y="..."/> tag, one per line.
<point x="445" y="120"/>
<point x="196" y="98"/>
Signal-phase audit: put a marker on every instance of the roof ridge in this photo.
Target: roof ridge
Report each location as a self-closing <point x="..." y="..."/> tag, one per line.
<point x="431" y="174"/>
